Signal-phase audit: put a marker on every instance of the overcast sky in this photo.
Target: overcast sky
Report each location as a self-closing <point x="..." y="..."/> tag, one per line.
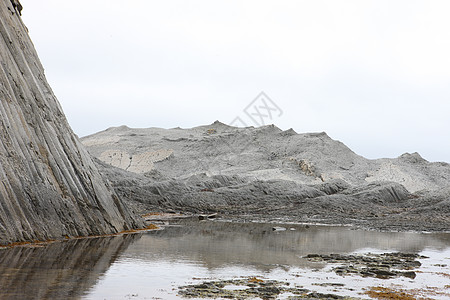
<point x="372" y="74"/>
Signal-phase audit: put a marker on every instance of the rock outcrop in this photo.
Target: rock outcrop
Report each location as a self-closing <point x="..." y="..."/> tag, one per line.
<point x="269" y="173"/>
<point x="50" y="187"/>
<point x="263" y="153"/>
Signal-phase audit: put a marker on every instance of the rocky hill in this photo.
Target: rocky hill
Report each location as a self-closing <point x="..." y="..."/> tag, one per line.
<point x="267" y="172"/>
<point x="263" y="153"/>
<point x="50" y="187"/>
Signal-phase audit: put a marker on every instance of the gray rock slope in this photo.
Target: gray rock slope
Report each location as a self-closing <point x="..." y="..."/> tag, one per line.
<point x="264" y="153"/>
<point x="268" y="172"/>
<point x="50" y="187"/>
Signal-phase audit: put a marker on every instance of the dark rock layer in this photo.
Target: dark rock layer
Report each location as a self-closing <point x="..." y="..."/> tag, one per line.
<point x="50" y="188"/>
<point x="376" y="205"/>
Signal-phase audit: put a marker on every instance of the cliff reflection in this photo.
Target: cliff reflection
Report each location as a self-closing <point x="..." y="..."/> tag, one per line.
<point x="62" y="270"/>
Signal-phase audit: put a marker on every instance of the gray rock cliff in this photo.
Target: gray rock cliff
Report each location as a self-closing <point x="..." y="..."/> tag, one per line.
<point x="50" y="187"/>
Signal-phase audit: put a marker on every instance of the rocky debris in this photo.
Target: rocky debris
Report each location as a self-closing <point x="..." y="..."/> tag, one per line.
<point x="315" y="295"/>
<point x="207" y="217"/>
<point x="383" y="266"/>
<point x="243" y="288"/>
<point x="279" y="228"/>
<point x="250" y="288"/>
<point x="50" y="186"/>
<point x="378" y="205"/>
<point x="306" y="167"/>
<point x="327" y="284"/>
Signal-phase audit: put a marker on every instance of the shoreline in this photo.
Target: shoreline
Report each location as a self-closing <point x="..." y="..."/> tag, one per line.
<point x="37" y="243"/>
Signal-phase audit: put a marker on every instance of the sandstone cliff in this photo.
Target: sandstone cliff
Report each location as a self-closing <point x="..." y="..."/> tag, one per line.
<point x="50" y="188"/>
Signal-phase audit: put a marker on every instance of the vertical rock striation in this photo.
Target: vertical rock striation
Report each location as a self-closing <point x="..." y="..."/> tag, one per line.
<point x="49" y="185"/>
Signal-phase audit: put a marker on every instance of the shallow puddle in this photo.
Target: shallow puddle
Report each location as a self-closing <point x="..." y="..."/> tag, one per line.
<point x="155" y="264"/>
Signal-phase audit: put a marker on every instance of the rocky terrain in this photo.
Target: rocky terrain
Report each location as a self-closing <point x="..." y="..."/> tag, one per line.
<point x="381" y="266"/>
<point x="51" y="189"/>
<point x="271" y="174"/>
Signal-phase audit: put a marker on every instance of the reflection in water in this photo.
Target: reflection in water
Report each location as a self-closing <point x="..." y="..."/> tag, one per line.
<point x="62" y="270"/>
<point x="154" y="266"/>
<point x="155" y="263"/>
<point x="220" y="244"/>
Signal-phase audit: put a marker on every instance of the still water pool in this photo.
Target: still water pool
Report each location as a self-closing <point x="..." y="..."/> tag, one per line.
<point x="153" y="265"/>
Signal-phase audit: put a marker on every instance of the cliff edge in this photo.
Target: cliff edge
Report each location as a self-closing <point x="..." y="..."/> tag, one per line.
<point x="50" y="187"/>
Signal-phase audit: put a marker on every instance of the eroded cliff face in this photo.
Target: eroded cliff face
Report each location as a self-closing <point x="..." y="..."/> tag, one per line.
<point x="50" y="187"/>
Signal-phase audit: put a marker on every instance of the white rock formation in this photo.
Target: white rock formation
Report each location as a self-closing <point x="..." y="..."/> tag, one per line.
<point x="264" y="153"/>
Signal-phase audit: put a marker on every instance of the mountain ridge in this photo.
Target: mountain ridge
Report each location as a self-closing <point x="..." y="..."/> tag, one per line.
<point x="218" y="147"/>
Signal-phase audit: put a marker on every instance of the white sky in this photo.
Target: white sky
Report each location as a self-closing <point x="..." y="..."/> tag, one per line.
<point x="372" y="74"/>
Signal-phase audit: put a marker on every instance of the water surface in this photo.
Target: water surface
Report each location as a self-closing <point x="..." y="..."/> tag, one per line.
<point x="154" y="264"/>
